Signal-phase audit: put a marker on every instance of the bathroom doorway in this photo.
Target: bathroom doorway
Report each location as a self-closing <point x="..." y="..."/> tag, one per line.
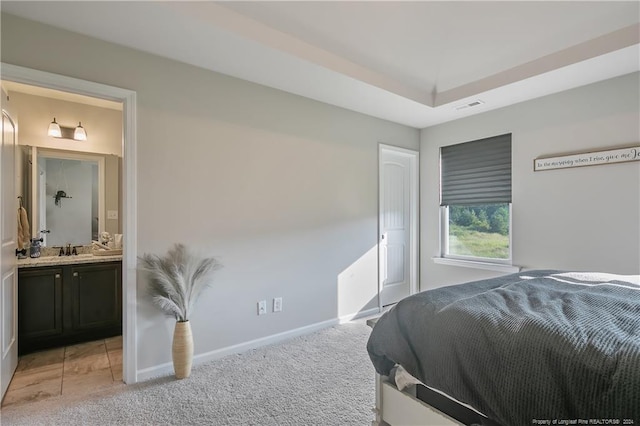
<point x="127" y="98"/>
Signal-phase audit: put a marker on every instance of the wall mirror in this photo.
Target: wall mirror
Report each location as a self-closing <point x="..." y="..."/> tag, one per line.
<point x="67" y="196"/>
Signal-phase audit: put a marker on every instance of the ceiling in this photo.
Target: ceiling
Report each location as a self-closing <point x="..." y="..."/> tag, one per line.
<point x="416" y="63"/>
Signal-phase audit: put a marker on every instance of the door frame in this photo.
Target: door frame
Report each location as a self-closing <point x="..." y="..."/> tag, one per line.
<point x="414" y="189"/>
<point x="48" y="80"/>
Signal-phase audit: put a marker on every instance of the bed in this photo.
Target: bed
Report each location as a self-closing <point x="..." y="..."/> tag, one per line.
<point x="536" y="347"/>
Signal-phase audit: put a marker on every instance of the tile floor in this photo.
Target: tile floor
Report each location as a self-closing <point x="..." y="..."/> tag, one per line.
<point x="69" y="370"/>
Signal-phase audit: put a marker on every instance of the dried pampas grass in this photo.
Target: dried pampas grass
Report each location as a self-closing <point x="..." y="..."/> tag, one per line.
<point x="178" y="279"/>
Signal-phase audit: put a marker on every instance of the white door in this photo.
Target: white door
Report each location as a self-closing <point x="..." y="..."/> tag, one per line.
<point x="398" y="224"/>
<point x="8" y="245"/>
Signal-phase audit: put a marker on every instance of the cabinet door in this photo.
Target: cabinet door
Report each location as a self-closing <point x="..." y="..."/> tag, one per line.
<point x="39" y="303"/>
<point x="96" y="296"/>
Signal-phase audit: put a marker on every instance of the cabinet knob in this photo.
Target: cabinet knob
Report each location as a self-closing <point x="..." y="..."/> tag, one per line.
<point x="57" y="275"/>
<point x="75" y="274"/>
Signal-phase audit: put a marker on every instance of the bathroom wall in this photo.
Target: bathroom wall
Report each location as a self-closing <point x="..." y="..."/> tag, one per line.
<point x="113" y="193"/>
<point x="103" y="125"/>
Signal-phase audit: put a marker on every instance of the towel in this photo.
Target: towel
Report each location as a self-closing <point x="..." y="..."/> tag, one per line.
<point x="24" y="234"/>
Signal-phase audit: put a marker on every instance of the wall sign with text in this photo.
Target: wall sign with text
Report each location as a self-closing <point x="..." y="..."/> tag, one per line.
<point x="609" y="156"/>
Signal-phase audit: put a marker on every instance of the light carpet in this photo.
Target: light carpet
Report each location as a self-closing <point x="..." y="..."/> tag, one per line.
<point x="325" y="378"/>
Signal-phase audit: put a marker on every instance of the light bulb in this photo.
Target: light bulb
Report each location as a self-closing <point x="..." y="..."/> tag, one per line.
<point x="54" y="129"/>
<point x="79" y="134"/>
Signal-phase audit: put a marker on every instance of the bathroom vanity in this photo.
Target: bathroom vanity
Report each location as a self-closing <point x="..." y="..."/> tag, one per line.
<point x="64" y="300"/>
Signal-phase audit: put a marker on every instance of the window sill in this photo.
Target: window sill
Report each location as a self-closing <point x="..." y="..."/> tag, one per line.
<point x="477" y="265"/>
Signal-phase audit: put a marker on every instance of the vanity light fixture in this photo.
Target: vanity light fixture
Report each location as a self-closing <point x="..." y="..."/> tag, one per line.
<point x="54" y="129"/>
<point x="57" y="131"/>
<point x="79" y="134"/>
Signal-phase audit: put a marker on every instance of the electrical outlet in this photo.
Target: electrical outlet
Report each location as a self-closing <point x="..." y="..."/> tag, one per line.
<point x="262" y="307"/>
<point x="277" y="304"/>
<point x="112" y="214"/>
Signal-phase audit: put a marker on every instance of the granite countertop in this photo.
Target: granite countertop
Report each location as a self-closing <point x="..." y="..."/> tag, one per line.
<point x="65" y="260"/>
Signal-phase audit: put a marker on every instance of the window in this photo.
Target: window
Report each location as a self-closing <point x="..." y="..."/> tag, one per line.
<point x="475" y="200"/>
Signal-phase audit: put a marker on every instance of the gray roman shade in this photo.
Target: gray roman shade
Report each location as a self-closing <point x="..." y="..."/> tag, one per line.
<point x="477" y="172"/>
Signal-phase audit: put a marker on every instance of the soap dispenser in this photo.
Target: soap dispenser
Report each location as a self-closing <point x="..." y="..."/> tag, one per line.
<point x="34" y="249"/>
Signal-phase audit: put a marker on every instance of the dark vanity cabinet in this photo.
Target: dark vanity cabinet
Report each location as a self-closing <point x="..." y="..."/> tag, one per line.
<point x="62" y="305"/>
<point x="96" y="297"/>
<point x="40" y="304"/>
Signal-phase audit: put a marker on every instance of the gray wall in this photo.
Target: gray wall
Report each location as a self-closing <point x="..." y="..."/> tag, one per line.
<point x="584" y="218"/>
<point x="281" y="188"/>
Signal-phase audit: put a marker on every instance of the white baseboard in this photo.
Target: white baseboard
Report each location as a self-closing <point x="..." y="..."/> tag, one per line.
<point x="167" y="368"/>
<point x="358" y="315"/>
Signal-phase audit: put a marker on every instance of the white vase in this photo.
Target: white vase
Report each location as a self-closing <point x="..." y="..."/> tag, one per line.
<point x="182" y="349"/>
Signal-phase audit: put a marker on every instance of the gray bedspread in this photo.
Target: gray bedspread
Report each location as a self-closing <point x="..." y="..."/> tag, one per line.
<point x="523" y="348"/>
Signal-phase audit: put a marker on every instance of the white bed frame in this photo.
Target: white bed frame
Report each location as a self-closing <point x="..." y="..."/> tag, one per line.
<point x="402" y="408"/>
